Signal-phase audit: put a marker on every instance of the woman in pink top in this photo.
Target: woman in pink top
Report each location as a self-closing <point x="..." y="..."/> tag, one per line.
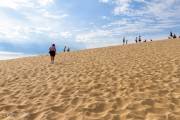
<point x="52" y="52"/>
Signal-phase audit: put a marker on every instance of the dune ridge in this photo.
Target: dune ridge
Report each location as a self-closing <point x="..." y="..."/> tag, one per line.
<point x="133" y="82"/>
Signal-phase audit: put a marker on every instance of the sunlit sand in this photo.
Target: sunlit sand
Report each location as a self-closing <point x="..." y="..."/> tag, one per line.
<point x="131" y="82"/>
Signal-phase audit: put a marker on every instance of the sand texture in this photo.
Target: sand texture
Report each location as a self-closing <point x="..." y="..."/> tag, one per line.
<point x="133" y="82"/>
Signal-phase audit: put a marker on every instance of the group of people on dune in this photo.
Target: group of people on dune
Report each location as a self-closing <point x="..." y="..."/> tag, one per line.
<point x="172" y="36"/>
<point x="52" y="49"/>
<point x="137" y="40"/>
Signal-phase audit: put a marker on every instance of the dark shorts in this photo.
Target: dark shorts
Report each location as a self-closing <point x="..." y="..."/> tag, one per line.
<point x="52" y="53"/>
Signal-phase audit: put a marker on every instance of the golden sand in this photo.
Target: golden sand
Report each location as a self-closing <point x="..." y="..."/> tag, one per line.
<point x="133" y="82"/>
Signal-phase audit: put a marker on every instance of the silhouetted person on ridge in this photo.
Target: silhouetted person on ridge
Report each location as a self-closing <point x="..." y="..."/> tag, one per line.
<point x="64" y="48"/>
<point x="68" y="50"/>
<point x="171" y="34"/>
<point x="139" y="38"/>
<point x="174" y="36"/>
<point x="124" y="40"/>
<point x="136" y="40"/>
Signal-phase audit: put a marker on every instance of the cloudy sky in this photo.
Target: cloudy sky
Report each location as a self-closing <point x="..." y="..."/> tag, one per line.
<point x="30" y="26"/>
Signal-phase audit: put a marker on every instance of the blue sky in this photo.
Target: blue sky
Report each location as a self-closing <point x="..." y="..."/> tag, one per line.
<point x="30" y="26"/>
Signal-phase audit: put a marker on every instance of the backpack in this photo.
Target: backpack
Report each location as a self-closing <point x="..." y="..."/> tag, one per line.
<point x="52" y="48"/>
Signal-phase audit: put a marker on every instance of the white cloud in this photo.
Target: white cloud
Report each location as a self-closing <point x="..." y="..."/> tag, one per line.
<point x="93" y="35"/>
<point x="38" y="20"/>
<point x="153" y="7"/>
<point x="19" y="4"/>
<point x="104" y="1"/>
<point x="11" y="28"/>
<point x="15" y="4"/>
<point x="65" y="34"/>
<point x="105" y="18"/>
<point x="96" y="38"/>
<point x="45" y="2"/>
<point x="147" y="15"/>
<point x="121" y="9"/>
<point x="50" y="15"/>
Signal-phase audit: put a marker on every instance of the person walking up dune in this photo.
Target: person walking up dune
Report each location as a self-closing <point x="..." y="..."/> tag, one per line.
<point x="52" y="52"/>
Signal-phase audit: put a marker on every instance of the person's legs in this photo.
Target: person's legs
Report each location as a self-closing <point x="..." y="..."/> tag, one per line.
<point x="51" y="59"/>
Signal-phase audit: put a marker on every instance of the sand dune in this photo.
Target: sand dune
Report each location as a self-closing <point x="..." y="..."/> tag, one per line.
<point x="133" y="82"/>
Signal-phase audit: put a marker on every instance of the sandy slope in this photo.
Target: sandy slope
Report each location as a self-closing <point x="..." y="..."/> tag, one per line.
<point x="134" y="82"/>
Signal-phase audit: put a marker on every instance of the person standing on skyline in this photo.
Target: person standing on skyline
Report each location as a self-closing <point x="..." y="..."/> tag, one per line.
<point x="124" y="40"/>
<point x="171" y="34"/>
<point x="139" y="38"/>
<point x="136" y="40"/>
<point x="68" y="50"/>
<point x="64" y="48"/>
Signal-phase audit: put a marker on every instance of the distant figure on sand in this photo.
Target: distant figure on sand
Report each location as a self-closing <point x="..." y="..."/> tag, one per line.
<point x="68" y="50"/>
<point x="64" y="48"/>
<point x="171" y="34"/>
<point x="174" y="36"/>
<point x="136" y="40"/>
<point x="124" y="40"/>
<point x="52" y="52"/>
<point x="139" y="38"/>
